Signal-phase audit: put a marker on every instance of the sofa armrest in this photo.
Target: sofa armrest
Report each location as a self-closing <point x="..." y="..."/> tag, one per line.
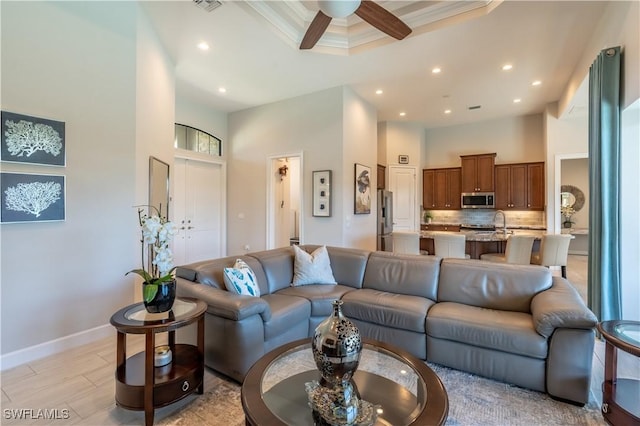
<point x="223" y="303"/>
<point x="560" y="307"/>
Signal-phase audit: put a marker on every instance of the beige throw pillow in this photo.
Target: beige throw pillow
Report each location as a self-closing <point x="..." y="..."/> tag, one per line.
<point x="314" y="268"/>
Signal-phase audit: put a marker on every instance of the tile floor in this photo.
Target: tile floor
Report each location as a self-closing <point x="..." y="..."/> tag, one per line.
<point x="79" y="383"/>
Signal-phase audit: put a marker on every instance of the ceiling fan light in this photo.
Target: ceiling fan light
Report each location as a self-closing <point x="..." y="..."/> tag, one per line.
<point x="338" y="8"/>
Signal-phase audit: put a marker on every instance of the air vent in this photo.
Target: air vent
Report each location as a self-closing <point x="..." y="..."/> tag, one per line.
<point x="474" y="107"/>
<point x="207" y="5"/>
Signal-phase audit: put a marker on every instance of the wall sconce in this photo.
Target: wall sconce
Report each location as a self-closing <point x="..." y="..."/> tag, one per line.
<point x="282" y="171"/>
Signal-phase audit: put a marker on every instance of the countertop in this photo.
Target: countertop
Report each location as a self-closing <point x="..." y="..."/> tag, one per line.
<point x="497" y="235"/>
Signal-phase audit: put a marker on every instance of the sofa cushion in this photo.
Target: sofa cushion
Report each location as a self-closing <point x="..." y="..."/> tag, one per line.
<point x="278" y="268"/>
<point x="285" y="311"/>
<point x="312" y="268"/>
<point x="491" y="285"/>
<point x="486" y="328"/>
<point x="211" y="272"/>
<point x="321" y="296"/>
<point x="241" y="280"/>
<point x="388" y="309"/>
<point x="409" y="275"/>
<point x="348" y="265"/>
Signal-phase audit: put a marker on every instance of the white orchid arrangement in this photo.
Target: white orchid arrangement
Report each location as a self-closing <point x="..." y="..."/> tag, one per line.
<point x="567" y="212"/>
<point x="157" y="233"/>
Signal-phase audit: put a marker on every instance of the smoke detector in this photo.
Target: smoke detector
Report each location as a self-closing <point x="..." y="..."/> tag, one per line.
<point x="207" y="5"/>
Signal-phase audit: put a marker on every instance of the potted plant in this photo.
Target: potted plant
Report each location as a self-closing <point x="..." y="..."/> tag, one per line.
<point x="428" y="217"/>
<point x="567" y="212"/>
<point x="159" y="286"/>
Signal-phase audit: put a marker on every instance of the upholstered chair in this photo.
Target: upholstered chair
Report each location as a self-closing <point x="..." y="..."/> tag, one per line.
<point x="406" y="242"/>
<point x="449" y="244"/>
<point x="554" y="250"/>
<point x="518" y="251"/>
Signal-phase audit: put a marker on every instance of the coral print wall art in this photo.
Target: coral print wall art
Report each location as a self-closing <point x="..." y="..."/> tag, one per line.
<point x="362" y="190"/>
<point x="31" y="197"/>
<point x="34" y="140"/>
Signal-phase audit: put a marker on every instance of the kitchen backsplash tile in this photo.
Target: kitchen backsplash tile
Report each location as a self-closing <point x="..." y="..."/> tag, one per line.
<point x="485" y="217"/>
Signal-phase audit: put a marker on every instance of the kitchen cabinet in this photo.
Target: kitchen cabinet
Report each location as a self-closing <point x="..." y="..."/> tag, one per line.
<point x="381" y="176"/>
<point x="519" y="186"/>
<point x="439" y="227"/>
<point x="477" y="172"/>
<point x="441" y="189"/>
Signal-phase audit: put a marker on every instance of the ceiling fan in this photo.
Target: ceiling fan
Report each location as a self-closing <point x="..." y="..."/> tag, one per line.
<point x="367" y="10"/>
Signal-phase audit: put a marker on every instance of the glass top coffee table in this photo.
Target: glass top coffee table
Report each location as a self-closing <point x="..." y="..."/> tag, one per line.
<point x="405" y="389"/>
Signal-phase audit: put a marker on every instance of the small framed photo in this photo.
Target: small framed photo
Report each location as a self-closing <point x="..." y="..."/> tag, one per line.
<point x="362" y="197"/>
<point x="322" y="193"/>
<point x="403" y="159"/>
<point x="33" y="140"/>
<point x="32" y="198"/>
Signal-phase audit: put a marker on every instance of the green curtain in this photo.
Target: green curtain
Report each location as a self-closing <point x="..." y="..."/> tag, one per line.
<point x="604" y="185"/>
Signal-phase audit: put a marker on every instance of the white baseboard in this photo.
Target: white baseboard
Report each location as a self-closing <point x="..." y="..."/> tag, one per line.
<point x="579" y="252"/>
<point x="52" y="347"/>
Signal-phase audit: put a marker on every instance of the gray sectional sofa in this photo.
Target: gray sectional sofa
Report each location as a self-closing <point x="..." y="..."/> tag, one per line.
<point x="513" y="323"/>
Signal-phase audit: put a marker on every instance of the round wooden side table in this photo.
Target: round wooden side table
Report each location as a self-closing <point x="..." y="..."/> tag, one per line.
<point x="620" y="396"/>
<point x="139" y="384"/>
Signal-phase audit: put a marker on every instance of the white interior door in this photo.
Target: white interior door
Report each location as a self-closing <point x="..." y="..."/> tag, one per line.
<point x="198" y="210"/>
<point x="403" y="184"/>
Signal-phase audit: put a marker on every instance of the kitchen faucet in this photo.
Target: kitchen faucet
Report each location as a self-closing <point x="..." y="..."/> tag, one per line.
<point x="504" y="221"/>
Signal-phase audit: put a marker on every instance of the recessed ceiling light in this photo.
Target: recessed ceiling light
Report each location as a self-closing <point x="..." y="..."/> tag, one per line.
<point x="222" y="90"/>
<point x="447" y="111"/>
<point x="402" y="114"/>
<point x="379" y="92"/>
<point x="203" y="45"/>
<point x="507" y="67"/>
<point x="536" y="83"/>
<point x="436" y="70"/>
<point x="517" y="100"/>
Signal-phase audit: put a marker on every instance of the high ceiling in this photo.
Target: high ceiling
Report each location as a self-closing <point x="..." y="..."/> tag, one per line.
<point x="254" y="55"/>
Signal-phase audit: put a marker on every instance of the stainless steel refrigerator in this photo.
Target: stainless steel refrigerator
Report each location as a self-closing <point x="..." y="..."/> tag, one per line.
<point x="385" y="220"/>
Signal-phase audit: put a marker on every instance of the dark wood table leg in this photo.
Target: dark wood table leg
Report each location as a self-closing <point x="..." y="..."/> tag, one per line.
<point x="121" y="349"/>
<point x="149" y="377"/>
<point x="201" y="350"/>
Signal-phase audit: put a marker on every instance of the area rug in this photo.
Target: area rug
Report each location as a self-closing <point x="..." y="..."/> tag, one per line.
<point x="473" y="400"/>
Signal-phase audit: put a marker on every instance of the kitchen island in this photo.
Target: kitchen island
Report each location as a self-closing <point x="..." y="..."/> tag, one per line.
<point x="481" y="242"/>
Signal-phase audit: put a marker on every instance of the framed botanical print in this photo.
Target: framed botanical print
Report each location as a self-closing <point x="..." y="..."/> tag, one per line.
<point x="32" y="197"/>
<point x="34" y="140"/>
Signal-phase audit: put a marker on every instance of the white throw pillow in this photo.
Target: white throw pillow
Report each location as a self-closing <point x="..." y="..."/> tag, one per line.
<point x="314" y="268"/>
<point x="241" y="279"/>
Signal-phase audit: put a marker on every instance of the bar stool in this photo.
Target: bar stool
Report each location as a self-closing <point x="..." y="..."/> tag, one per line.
<point x="518" y="251"/>
<point x="406" y="242"/>
<point x="449" y="244"/>
<point x="554" y="250"/>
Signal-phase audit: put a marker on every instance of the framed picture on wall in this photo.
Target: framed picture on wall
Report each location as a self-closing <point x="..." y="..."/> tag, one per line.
<point x="34" y="140"/>
<point x="32" y="198"/>
<point x="362" y="204"/>
<point x="322" y="193"/>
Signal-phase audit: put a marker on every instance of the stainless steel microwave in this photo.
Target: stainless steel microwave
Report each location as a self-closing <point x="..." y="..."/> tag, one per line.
<point x="477" y="200"/>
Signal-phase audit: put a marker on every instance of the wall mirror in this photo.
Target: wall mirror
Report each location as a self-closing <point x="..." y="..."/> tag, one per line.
<point x="159" y="186"/>
<point x="572" y="196"/>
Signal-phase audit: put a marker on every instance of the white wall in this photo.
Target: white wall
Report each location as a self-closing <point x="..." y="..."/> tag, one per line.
<point x="514" y="139"/>
<point x="359" y="146"/>
<point x="75" y="63"/>
<point x="98" y="67"/>
<point x="314" y="125"/>
<point x="630" y="206"/>
<point x="311" y="124"/>
<point x="204" y="118"/>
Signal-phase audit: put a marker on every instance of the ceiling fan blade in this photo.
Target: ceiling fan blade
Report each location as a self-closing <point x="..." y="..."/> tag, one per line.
<point x="382" y="19"/>
<point x="315" y="30"/>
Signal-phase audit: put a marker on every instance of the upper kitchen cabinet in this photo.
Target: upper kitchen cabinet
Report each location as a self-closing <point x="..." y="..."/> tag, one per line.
<point x="519" y="186"/>
<point x="441" y="188"/>
<point x="478" y="173"/>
